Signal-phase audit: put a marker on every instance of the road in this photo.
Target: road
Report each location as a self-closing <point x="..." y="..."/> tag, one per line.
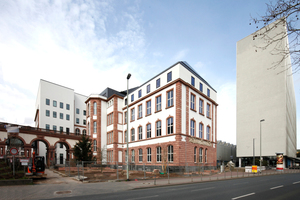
<point x="285" y="186"/>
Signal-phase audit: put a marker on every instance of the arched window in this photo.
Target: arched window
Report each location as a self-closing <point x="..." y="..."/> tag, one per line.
<point x="195" y="154"/>
<point x="205" y="155"/>
<point x="200" y="155"/>
<point x="84" y="132"/>
<point x="170" y="125"/>
<point x="132" y="134"/>
<point x="192" y="127"/>
<point x="95" y="145"/>
<point x="140" y="155"/>
<point x="148" y="154"/>
<point x="170" y="153"/>
<point x="95" y="108"/>
<point x="77" y="131"/>
<point x="207" y="132"/>
<point x="158" y="128"/>
<point x="95" y="127"/>
<point x="132" y="155"/>
<point x="158" y="154"/>
<point x="200" y="130"/>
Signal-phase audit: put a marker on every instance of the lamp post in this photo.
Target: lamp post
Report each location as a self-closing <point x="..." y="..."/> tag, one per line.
<point x="262" y="120"/>
<point x="128" y="77"/>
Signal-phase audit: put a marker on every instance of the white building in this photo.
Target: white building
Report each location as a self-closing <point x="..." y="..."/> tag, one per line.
<point x="174" y="113"/>
<point x="265" y="98"/>
<point x="59" y="109"/>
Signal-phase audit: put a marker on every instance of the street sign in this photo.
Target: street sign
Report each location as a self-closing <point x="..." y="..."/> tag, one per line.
<point x="14" y="151"/>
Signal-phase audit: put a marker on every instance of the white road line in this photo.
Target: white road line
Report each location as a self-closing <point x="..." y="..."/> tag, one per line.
<point x="143" y="197"/>
<point x="202" y="189"/>
<point x="296" y="182"/>
<point x="276" y="187"/>
<point x="243" y="196"/>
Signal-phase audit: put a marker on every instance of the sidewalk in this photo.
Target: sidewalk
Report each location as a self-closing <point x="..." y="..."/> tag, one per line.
<point x="57" y="186"/>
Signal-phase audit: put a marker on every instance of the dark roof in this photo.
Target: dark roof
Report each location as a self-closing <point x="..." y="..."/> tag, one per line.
<point x="188" y="67"/>
<point x="108" y="92"/>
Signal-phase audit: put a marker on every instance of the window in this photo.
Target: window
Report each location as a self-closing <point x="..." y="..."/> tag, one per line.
<point x="61" y="105"/>
<point x="148" y="107"/>
<point x="169" y="76"/>
<point x="195" y="154"/>
<point x="67" y="117"/>
<point x="125" y="118"/>
<point x="170" y="125"/>
<point x="132" y="134"/>
<point x="201" y="155"/>
<point x="158" y="128"/>
<point x="77" y="120"/>
<point x="95" y="127"/>
<point x="125" y="135"/>
<point x="200" y="130"/>
<point x="208" y="92"/>
<point x="110" y="137"/>
<point x="54" y="114"/>
<point x="84" y="112"/>
<point x="67" y="131"/>
<point x="54" y="128"/>
<point x="193" y="81"/>
<point x="193" y="97"/>
<point x="95" y="145"/>
<point x="207" y="132"/>
<point x="158" y="103"/>
<point x="132" y="156"/>
<point x="140" y="133"/>
<point x="68" y="106"/>
<point x="61" y="116"/>
<point x="48" y="102"/>
<point x="158" y="83"/>
<point x="132" y="97"/>
<point x="158" y="154"/>
<point x="61" y="129"/>
<point x="205" y="155"/>
<point x="170" y="153"/>
<point x="61" y="145"/>
<point x="77" y="110"/>
<point x="77" y="131"/>
<point x="170" y="98"/>
<point x="140" y="93"/>
<point x="148" y="154"/>
<point x="208" y="110"/>
<point x="84" y="132"/>
<point x="201" y="87"/>
<point x="84" y="122"/>
<point x="132" y="114"/>
<point x="126" y="156"/>
<point x="110" y="118"/>
<point x="125" y="102"/>
<point x="140" y="111"/>
<point x="201" y="106"/>
<point x="140" y="155"/>
<point x="148" y="130"/>
<point x="54" y="103"/>
<point x="95" y="108"/>
<point x="148" y="88"/>
<point x="192" y="128"/>
<point x="48" y="113"/>
<point x="47" y="127"/>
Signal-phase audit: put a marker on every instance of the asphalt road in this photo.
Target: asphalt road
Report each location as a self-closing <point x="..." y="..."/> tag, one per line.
<point x="285" y="186"/>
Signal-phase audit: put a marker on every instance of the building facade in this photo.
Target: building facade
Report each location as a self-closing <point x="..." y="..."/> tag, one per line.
<point x="60" y="109"/>
<point x="266" y="105"/>
<point x="172" y="117"/>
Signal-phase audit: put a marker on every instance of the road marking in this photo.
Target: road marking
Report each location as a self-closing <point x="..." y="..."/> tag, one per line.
<point x="276" y="187"/>
<point x="243" y="196"/>
<point x="296" y="182"/>
<point x="241" y="183"/>
<point x="202" y="189"/>
<point x="143" y="197"/>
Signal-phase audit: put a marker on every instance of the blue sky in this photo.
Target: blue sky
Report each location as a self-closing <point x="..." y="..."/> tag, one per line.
<point x="83" y="44"/>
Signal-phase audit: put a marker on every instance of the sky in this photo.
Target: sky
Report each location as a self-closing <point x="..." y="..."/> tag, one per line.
<point x="83" y="44"/>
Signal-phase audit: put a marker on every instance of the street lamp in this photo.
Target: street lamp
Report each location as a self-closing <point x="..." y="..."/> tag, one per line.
<point x="262" y="120"/>
<point x="128" y="77"/>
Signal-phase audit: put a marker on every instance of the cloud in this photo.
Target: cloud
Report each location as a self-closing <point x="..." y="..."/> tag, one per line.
<point x="180" y="55"/>
<point x="68" y="43"/>
<point x="227" y="113"/>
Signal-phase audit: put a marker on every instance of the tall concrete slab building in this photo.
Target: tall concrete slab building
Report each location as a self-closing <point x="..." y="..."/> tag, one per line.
<point x="266" y="105"/>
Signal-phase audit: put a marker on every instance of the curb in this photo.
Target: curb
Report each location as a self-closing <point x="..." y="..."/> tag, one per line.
<point x="16" y="182"/>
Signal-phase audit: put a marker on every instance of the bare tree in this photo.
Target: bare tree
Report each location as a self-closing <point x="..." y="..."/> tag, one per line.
<point x="287" y="12"/>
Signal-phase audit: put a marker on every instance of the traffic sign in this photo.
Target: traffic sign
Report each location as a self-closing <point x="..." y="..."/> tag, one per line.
<point x="14" y="151"/>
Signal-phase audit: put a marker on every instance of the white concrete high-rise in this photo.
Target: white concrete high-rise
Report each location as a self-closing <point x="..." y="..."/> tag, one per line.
<point x="265" y="92"/>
